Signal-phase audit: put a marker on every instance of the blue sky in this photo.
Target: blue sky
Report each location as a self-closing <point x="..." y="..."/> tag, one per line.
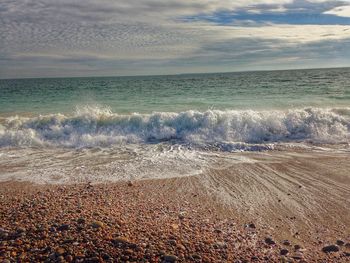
<point x="46" y="38"/>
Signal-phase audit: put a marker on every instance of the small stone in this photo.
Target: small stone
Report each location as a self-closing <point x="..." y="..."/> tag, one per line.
<point x="97" y="224"/>
<point x="63" y="227"/>
<point x="297" y="255"/>
<point x="170" y="258"/>
<point x="93" y="260"/>
<point x="52" y="256"/>
<point x="330" y="248"/>
<point x="105" y="256"/>
<point x="269" y="241"/>
<point x="220" y="245"/>
<point x="284" y="252"/>
<point x="172" y="242"/>
<point x="340" y="242"/>
<point x="130" y="183"/>
<point x="251" y="225"/>
<point x="68" y="241"/>
<point x="21" y="230"/>
<point x="128" y="251"/>
<point x="286" y="242"/>
<point x="60" y="251"/>
<point x="81" y="221"/>
<point x="297" y="247"/>
<point x="2" y="231"/>
<point x="69" y="258"/>
<point x="181" y="215"/>
<point x="120" y="241"/>
<point x="181" y="247"/>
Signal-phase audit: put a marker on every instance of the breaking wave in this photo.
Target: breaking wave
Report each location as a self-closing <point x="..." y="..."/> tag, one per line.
<point x="227" y="130"/>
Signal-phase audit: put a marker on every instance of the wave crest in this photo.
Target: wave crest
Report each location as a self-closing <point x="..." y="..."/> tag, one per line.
<point x="96" y="126"/>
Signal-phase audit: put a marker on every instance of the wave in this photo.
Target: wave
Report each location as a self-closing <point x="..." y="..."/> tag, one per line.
<point x="226" y="130"/>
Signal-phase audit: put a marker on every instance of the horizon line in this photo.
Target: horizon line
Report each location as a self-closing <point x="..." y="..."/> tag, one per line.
<point x="178" y="74"/>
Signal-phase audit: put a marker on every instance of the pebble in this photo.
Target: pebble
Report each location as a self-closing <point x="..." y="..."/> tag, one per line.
<point x="251" y="225"/>
<point x="286" y="242"/>
<point x="97" y="224"/>
<point x="196" y="257"/>
<point x="340" y="242"/>
<point x="269" y="241"/>
<point x="298" y="255"/>
<point x="128" y="251"/>
<point x="105" y="256"/>
<point x="21" y="230"/>
<point x="330" y="248"/>
<point x="81" y="221"/>
<point x="219" y="245"/>
<point x="63" y="227"/>
<point x="120" y="240"/>
<point x="170" y="258"/>
<point x="284" y="252"/>
<point x="181" y="215"/>
<point x="172" y="242"/>
<point x="181" y="247"/>
<point x="297" y="247"/>
<point x="60" y="251"/>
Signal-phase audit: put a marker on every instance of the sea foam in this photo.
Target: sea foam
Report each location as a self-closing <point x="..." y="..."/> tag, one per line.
<point x="94" y="126"/>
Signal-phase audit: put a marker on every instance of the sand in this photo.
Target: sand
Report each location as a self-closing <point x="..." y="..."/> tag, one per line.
<point x="288" y="207"/>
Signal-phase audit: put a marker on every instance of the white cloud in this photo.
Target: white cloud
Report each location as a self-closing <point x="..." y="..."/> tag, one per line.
<point x="343" y="11"/>
<point x="105" y="36"/>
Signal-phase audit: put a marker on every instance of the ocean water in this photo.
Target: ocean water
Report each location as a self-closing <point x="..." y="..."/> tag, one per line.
<point x="229" y="91"/>
<point x="160" y="126"/>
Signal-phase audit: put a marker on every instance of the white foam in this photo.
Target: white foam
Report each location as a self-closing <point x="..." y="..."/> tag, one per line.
<point x="227" y="130"/>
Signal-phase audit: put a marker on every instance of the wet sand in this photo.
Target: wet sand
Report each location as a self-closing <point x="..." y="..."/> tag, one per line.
<point x="288" y="206"/>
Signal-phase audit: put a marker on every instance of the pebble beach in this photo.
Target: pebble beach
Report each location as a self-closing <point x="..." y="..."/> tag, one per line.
<point x="143" y="221"/>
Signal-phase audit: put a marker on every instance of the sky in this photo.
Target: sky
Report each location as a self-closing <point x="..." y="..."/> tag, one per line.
<point x="66" y="38"/>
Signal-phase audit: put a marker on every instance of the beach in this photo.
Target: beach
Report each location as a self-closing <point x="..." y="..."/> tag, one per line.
<point x="287" y="206"/>
<point x="226" y="167"/>
<point x="175" y="131"/>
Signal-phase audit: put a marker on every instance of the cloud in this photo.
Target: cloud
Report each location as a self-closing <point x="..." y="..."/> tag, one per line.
<point x="342" y="11"/>
<point x="105" y="37"/>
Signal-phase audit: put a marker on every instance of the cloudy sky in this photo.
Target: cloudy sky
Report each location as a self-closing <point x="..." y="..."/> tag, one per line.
<point x="49" y="38"/>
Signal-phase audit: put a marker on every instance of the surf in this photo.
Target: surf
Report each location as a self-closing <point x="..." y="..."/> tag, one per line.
<point x="91" y="126"/>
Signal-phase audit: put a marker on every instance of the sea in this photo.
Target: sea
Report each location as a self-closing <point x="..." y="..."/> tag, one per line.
<point x="72" y="130"/>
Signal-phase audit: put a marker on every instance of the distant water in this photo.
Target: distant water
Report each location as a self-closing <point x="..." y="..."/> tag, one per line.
<point x="227" y="111"/>
<point x="233" y="91"/>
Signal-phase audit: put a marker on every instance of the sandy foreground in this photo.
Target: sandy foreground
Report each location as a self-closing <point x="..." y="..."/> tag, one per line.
<point x="295" y="209"/>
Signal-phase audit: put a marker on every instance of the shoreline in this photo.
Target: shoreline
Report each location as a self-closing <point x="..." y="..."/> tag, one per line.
<point x="225" y="215"/>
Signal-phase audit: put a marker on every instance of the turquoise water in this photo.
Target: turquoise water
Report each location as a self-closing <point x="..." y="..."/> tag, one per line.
<point x="234" y="91"/>
<point x="231" y="111"/>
